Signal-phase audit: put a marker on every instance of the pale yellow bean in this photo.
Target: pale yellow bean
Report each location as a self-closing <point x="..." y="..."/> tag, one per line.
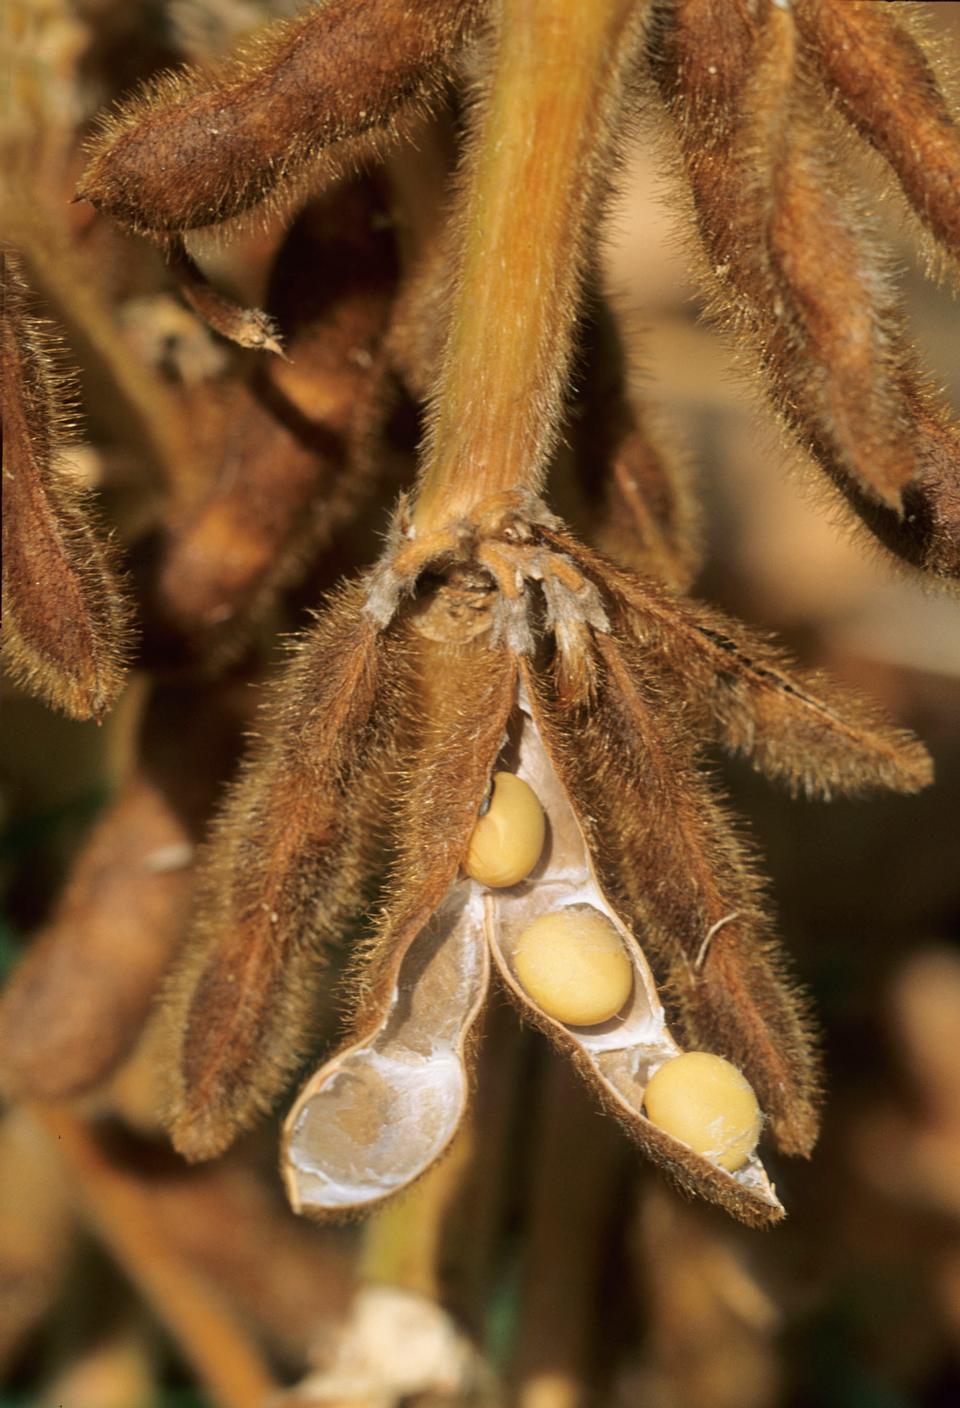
<point x="705" y="1102"/>
<point x="507" y="841"/>
<point x="573" y="965"/>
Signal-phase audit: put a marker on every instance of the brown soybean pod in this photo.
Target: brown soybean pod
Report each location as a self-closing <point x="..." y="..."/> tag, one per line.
<point x="198" y="148"/>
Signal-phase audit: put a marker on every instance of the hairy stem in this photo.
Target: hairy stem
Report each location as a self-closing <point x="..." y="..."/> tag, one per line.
<point x="536" y="169"/>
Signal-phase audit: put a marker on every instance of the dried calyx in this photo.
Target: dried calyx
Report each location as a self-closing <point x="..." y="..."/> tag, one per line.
<point x="501" y="646"/>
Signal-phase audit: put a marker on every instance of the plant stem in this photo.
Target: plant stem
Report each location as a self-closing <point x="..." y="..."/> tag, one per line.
<point x="569" y="1220"/>
<point x="402" y="1244"/>
<point x="536" y="164"/>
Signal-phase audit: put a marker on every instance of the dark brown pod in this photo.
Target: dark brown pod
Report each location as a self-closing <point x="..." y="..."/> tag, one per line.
<point x="796" y="274"/>
<point x="290" y="857"/>
<point x="927" y="533"/>
<point x="797" y="727"/>
<point x="199" y="147"/>
<point x="886" y="87"/>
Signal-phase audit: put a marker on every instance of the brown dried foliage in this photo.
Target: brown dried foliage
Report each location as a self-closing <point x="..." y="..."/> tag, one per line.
<point x="239" y="1234"/>
<point x="199" y="147"/>
<point x="116" y="1203"/>
<point x="66" y="627"/>
<point x="710" y="1320"/>
<point x="215" y="1243"/>
<point x="35" y="1220"/>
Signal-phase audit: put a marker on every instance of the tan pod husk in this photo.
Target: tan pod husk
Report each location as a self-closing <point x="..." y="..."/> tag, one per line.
<point x="382" y="1111"/>
<point x="424" y="976"/>
<point x="618" y="1057"/>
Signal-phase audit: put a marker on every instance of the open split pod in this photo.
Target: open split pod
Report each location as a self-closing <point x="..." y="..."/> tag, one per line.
<point x="497" y="685"/>
<point x="385" y="1107"/>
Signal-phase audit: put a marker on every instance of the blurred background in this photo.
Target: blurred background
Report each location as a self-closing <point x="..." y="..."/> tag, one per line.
<point x="542" y="1263"/>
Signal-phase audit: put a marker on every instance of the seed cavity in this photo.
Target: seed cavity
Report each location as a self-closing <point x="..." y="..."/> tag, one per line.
<point x="572" y="964"/>
<point x="507" y="841"/>
<point x="704" y="1101"/>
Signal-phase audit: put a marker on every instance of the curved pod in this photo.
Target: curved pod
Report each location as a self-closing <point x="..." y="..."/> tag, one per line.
<point x="377" y="1115"/>
<point x="618" y="1057"/>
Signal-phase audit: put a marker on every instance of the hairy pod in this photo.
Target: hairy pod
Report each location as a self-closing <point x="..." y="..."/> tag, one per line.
<point x="199" y="147"/>
<point x="66" y="622"/>
<point x="795" y="273"/>
<point x="691" y="891"/>
<point x="372" y="1119"/>
<point x="379" y="1112"/>
<point x="927" y="534"/>
<point x="797" y="727"/>
<point x="793" y="268"/>
<point x="884" y="83"/>
<point x="291" y="855"/>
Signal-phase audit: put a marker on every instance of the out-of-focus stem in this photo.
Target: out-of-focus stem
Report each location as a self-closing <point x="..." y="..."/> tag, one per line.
<point x="441" y="1239"/>
<point x="222" y="1354"/>
<point x="571" y="1196"/>
<point x="402" y="1245"/>
<point x="536" y="168"/>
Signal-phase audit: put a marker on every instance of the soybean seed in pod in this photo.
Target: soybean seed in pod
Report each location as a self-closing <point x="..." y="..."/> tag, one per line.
<point x="573" y="964"/>
<point x="507" y="841"/>
<point x="706" y="1103"/>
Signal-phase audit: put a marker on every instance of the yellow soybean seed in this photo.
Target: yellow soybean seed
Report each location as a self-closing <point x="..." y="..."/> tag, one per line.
<point x="705" y="1102"/>
<point x="508" y="839"/>
<point x="573" y="964"/>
